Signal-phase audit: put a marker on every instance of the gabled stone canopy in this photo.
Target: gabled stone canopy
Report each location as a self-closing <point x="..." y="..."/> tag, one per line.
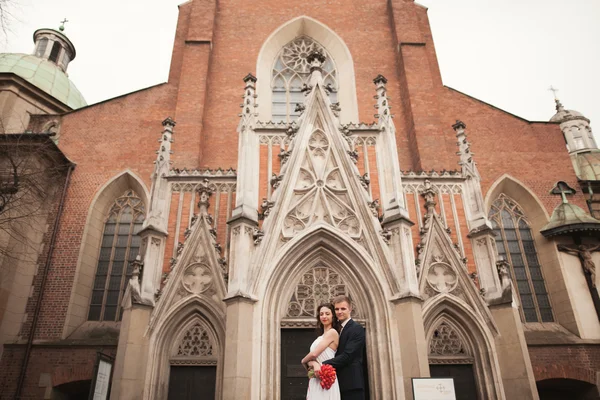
<point x="442" y="272"/>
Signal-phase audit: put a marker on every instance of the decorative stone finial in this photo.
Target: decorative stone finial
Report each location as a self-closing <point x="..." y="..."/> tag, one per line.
<point x="250" y="78"/>
<point x="169" y="122"/>
<point x="459" y="125"/>
<point x="380" y="80"/>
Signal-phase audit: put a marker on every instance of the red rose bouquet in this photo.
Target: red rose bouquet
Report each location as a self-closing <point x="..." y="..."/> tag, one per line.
<point x="327" y="376"/>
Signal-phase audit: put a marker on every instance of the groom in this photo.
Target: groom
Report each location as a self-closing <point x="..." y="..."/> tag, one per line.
<point x="348" y="360"/>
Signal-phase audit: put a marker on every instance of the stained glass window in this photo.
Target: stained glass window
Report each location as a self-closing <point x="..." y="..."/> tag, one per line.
<point x="120" y="245"/>
<point x="291" y="71"/>
<point x="515" y="243"/>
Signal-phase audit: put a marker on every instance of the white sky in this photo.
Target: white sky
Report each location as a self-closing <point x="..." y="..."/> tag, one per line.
<point x="504" y="52"/>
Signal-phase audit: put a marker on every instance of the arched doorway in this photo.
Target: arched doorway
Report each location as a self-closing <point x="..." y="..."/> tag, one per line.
<point x="193" y="365"/>
<point x="318" y="285"/>
<point x="72" y="390"/>
<point x="562" y="388"/>
<point x="450" y="357"/>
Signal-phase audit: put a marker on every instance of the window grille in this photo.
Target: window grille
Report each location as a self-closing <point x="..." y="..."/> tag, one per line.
<point x="120" y="245"/>
<point x="515" y="243"/>
<point x="41" y="47"/>
<point x="290" y="71"/>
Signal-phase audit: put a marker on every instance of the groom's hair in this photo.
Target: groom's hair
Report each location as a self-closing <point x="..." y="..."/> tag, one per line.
<point x="341" y="298"/>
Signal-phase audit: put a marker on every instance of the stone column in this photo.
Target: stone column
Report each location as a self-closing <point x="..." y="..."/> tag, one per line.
<point x="515" y="365"/>
<point x="414" y="359"/>
<point x="238" y="363"/>
<point x="132" y="354"/>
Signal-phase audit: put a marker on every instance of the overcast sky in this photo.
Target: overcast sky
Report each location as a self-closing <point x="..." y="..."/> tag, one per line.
<point x="504" y="52"/>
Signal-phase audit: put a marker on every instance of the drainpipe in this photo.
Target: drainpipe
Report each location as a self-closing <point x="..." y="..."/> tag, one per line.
<point x="38" y="304"/>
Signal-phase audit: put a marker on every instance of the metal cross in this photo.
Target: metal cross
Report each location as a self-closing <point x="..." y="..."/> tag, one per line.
<point x="553" y="90"/>
<point x="62" y="24"/>
<point x="563" y="189"/>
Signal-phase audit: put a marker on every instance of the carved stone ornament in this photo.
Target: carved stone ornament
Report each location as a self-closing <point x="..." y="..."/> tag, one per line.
<point x="441" y="277"/>
<point x="197" y="279"/>
<point x="319" y="285"/>
<point x="320" y="192"/>
<point x="446" y="342"/>
<point x="195" y="343"/>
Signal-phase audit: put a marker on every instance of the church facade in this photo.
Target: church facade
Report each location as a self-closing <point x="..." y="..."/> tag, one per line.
<point x="191" y="229"/>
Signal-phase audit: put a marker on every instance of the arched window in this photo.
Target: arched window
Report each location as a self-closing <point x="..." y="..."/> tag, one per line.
<point x="291" y="71"/>
<point x="515" y="243"/>
<point x="120" y="245"/>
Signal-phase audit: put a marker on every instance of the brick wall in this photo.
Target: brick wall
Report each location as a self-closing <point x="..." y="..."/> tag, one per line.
<point x="580" y="362"/>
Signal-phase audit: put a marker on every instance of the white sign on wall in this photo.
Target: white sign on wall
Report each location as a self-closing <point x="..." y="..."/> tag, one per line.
<point x="102" y="381"/>
<point x="433" y="389"/>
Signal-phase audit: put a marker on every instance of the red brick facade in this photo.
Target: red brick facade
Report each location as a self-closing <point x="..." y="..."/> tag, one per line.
<point x="216" y="45"/>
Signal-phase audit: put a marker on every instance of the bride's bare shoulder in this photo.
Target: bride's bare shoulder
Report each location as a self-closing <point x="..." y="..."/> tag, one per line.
<point x="332" y="333"/>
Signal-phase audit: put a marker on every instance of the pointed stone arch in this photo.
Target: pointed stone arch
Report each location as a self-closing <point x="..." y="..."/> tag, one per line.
<point x="474" y="335"/>
<point x="366" y="285"/>
<point x="167" y="335"/>
<point x="335" y="46"/>
<point x="91" y="241"/>
<point x="548" y="255"/>
<point x="521" y="194"/>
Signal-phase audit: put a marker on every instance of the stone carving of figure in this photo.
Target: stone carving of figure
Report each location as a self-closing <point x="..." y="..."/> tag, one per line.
<point x="584" y="252"/>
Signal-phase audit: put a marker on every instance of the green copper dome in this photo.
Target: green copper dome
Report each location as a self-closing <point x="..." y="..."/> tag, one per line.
<point x="45" y="75"/>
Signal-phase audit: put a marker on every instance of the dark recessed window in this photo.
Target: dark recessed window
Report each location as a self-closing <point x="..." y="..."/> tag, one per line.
<point x="120" y="245"/>
<point x="515" y="243"/>
<point x="54" y="53"/>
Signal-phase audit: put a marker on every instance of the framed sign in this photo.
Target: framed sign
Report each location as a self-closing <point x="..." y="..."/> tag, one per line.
<point x="433" y="389"/>
<point x="101" y="380"/>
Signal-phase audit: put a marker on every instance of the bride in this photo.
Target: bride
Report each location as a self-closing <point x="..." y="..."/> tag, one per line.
<point x="323" y="348"/>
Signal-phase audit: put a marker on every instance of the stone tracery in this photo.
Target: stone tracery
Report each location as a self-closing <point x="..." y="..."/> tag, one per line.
<point x="320" y="193"/>
<point x="319" y="285"/>
<point x="195" y="342"/>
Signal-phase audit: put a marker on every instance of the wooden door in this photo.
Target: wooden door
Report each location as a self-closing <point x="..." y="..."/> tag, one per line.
<point x="464" y="379"/>
<point x="295" y="344"/>
<point x="192" y="383"/>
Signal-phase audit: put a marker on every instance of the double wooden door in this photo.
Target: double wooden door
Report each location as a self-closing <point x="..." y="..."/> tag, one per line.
<point x="192" y="383"/>
<point x="295" y="344"/>
<point x="464" y="379"/>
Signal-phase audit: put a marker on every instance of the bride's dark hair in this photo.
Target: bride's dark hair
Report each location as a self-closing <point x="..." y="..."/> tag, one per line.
<point x="335" y="324"/>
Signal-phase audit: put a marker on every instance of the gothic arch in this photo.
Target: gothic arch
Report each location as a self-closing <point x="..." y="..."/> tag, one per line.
<point x="184" y="314"/>
<point x="547" y="253"/>
<point x="525" y="197"/>
<point x="323" y="245"/>
<point x="91" y="240"/>
<point x="475" y="335"/>
<point x="307" y="26"/>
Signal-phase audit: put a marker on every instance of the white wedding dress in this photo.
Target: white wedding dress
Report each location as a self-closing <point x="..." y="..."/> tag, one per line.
<point x="315" y="391"/>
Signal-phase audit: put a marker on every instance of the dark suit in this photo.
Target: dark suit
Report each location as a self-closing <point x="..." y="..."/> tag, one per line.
<point x="348" y="361"/>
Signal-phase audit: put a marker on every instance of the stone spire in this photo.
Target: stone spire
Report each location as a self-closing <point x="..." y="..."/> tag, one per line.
<point x="154" y="231"/>
<point x="157" y="214"/>
<point x="388" y="164"/>
<point x="249" y="105"/>
<point x="477" y="217"/>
